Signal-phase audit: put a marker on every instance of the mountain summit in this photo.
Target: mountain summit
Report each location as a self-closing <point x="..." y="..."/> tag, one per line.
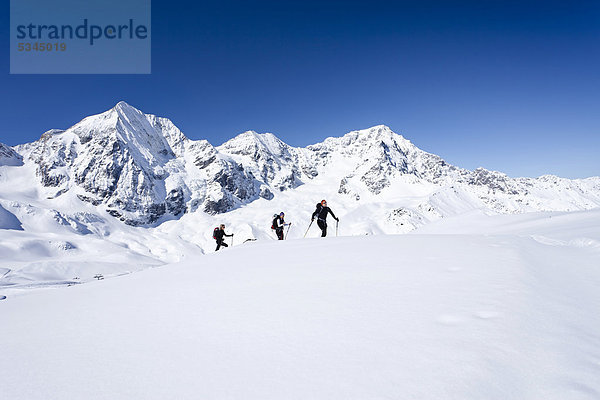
<point x="142" y="169"/>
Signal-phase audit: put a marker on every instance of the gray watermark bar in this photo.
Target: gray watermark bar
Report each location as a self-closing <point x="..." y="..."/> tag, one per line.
<point x="80" y="37"/>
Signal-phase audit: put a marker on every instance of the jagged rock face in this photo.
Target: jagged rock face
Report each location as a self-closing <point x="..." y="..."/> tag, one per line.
<point x="272" y="162"/>
<point x="9" y="157"/>
<point x="223" y="184"/>
<point x="229" y="186"/>
<point x="137" y="166"/>
<point x="141" y="168"/>
<point x="52" y="157"/>
<point x="117" y="158"/>
<point x="381" y="155"/>
<point x="493" y="180"/>
<point x="175" y="202"/>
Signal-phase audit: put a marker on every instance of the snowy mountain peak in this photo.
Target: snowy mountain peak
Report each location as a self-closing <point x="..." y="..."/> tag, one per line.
<point x="123" y="111"/>
<point x="380" y="134"/>
<point x="375" y="131"/>
<point x="254" y="137"/>
<point x="364" y="140"/>
<point x="129" y="115"/>
<point x="124" y="126"/>
<point x="253" y="143"/>
<point x="125" y="107"/>
<point x="142" y="169"/>
<point x="276" y="165"/>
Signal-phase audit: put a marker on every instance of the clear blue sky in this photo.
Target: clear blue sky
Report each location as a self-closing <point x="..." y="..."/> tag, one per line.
<point x="508" y="85"/>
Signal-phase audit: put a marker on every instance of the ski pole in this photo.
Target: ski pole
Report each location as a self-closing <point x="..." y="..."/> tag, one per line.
<point x="232" y="240"/>
<point x="337" y="221"/>
<point x="311" y="221"/>
<point x="288" y="231"/>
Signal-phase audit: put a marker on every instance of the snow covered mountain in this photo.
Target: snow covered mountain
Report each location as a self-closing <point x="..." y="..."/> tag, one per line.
<point x="135" y="183"/>
<point x="137" y="166"/>
<point x="498" y="273"/>
<point x="140" y="167"/>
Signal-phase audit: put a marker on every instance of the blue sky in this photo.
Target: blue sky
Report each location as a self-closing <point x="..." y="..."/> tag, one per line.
<point x="508" y="85"/>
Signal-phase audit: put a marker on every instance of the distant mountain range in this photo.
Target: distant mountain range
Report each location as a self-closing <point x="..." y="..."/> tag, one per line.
<point x="123" y="190"/>
<point x="139" y="168"/>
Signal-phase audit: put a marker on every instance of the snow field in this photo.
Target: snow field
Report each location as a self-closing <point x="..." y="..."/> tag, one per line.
<point x="425" y="316"/>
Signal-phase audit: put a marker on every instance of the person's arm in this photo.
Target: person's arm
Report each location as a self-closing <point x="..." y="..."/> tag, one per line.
<point x="332" y="214"/>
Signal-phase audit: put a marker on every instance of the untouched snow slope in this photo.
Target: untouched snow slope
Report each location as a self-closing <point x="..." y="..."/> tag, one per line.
<point x="424" y="316"/>
<point x="561" y="227"/>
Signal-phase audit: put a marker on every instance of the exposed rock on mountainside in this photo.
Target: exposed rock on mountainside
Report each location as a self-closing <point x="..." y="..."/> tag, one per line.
<point x="9" y="157"/>
<point x="141" y="168"/>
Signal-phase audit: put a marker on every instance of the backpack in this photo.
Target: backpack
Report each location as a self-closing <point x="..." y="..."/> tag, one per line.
<point x="215" y="232"/>
<point x="274" y="223"/>
<point x="319" y="206"/>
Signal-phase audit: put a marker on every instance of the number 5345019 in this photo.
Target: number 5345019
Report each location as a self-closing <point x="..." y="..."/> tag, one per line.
<point x="27" y="46"/>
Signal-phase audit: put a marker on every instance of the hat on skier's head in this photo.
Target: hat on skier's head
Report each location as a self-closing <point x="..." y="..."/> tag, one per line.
<point x="222" y="225"/>
<point x="281" y="214"/>
<point x="323" y="202"/>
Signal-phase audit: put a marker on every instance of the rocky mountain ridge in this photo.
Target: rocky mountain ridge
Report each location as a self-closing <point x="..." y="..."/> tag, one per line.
<point x="142" y="169"/>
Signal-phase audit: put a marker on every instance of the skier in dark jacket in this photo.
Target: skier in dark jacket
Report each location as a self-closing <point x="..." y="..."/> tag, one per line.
<point x="278" y="224"/>
<point x="218" y="235"/>
<point x="321" y="214"/>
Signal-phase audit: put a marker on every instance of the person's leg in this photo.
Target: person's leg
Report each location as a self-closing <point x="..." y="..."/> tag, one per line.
<point x="218" y="245"/>
<point x="323" y="226"/>
<point x="224" y="244"/>
<point x="279" y="234"/>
